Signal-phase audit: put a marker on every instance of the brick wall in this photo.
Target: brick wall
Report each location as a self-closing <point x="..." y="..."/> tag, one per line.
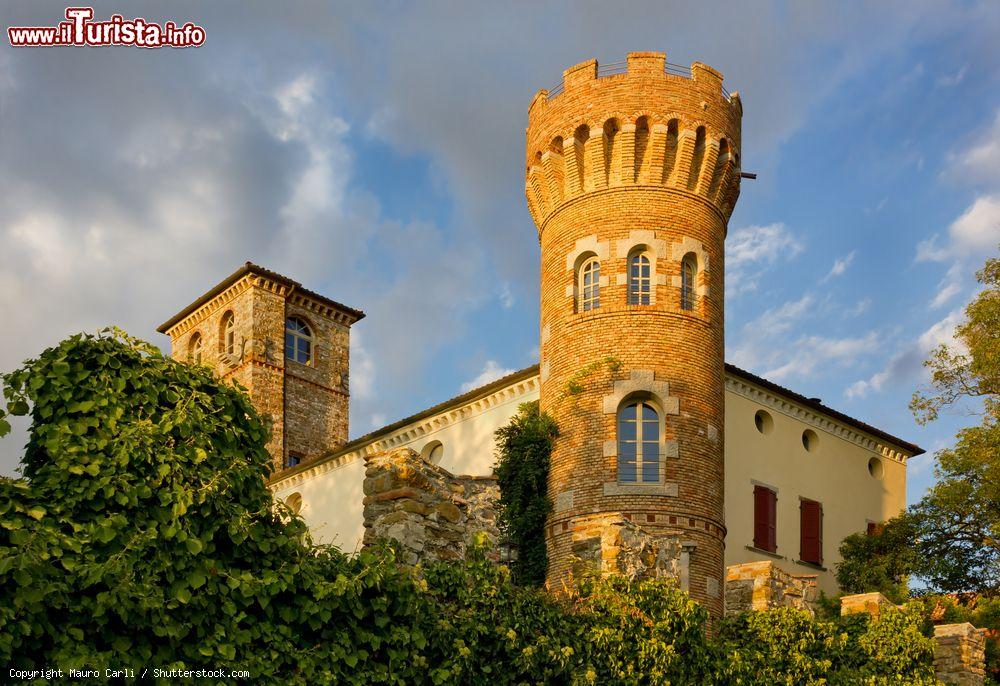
<point x="305" y="404"/>
<point x="613" y="164"/>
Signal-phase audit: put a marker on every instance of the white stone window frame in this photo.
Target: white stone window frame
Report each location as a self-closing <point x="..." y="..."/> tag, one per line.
<point x="584" y="250"/>
<point x="227" y="333"/>
<point x="196" y="348"/>
<point x="640" y="401"/>
<point x="588" y="285"/>
<point x="311" y="338"/>
<point x="642" y="385"/>
<point x="678" y="252"/>
<point x="642" y="241"/>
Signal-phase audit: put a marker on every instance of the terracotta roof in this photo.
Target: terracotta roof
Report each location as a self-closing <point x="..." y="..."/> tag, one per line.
<point x="251" y="268"/>
<point x="528" y="372"/>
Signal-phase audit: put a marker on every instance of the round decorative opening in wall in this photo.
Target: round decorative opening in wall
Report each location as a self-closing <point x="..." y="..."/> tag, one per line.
<point x="810" y="440"/>
<point x="762" y="420"/>
<point x="433" y="452"/>
<point x="875" y="468"/>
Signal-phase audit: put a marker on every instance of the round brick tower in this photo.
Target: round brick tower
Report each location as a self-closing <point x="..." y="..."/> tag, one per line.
<point x="632" y="174"/>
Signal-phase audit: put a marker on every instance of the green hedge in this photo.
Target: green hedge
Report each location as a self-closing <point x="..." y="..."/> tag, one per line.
<point x="143" y="535"/>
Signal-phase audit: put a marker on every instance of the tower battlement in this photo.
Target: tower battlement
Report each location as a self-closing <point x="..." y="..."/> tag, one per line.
<point x="643" y="122"/>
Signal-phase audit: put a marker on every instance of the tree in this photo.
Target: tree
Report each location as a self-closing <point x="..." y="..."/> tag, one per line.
<point x="957" y="524"/>
<point x="880" y="561"/>
<point x="972" y="372"/>
<point x="951" y="538"/>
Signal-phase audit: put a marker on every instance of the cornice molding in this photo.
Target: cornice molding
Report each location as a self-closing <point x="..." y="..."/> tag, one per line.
<point x="409" y="432"/>
<point x="805" y="415"/>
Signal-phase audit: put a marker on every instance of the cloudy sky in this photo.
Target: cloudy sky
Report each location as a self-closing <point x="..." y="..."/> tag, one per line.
<point x="373" y="151"/>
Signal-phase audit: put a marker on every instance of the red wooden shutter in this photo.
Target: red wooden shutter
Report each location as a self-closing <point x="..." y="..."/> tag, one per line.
<point x="811" y="528"/>
<point x="872" y="528"/>
<point x="772" y="521"/>
<point x="764" y="518"/>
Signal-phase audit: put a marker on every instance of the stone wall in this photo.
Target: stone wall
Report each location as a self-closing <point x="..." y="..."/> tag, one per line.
<point x="960" y="654"/>
<point x="872" y="603"/>
<point x="959" y="649"/>
<point x="431" y="513"/>
<point x="611" y="544"/>
<point x="763" y="586"/>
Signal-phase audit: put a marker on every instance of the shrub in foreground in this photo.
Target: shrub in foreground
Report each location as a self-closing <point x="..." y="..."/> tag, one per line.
<point x="143" y="535"/>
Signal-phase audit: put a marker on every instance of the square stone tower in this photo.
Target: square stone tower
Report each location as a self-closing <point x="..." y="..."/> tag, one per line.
<point x="288" y="346"/>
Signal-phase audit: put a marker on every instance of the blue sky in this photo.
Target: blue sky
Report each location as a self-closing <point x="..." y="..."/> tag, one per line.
<point x="374" y="152"/>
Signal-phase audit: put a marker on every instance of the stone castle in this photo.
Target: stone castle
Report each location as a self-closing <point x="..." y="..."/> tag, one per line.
<point x="669" y="462"/>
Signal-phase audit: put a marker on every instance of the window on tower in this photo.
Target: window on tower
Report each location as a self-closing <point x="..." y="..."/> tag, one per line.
<point x="195" y="349"/>
<point x="228" y="338"/>
<point x="639" y="279"/>
<point x="639" y="443"/>
<point x="589" y="285"/>
<point x="298" y="341"/>
<point x="689" y="281"/>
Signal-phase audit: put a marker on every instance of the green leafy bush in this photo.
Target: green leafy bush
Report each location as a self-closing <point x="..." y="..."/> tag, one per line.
<point x="143" y="534"/>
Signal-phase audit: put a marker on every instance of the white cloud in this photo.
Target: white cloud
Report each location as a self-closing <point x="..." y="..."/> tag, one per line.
<point x="860" y="308"/>
<point x="377" y="421"/>
<point x="772" y="345"/>
<point x="952" y="80"/>
<point x="978" y="229"/>
<point x="752" y="249"/>
<point x="840" y="266"/>
<point x="907" y="364"/>
<point x="491" y="372"/>
<point x="505" y="296"/>
<point x="979" y="162"/>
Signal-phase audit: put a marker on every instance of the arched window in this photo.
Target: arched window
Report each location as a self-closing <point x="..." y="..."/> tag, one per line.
<point x="195" y="349"/>
<point x="298" y="341"/>
<point x="689" y="281"/>
<point x="228" y="338"/>
<point x="294" y="502"/>
<point x="638" y="443"/>
<point x="589" y="285"/>
<point x="639" y="279"/>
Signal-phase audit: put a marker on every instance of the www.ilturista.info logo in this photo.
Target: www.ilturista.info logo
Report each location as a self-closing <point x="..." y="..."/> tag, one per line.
<point x="79" y="29"/>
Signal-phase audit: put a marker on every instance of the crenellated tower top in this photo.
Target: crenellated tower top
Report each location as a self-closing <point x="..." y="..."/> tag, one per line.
<point x="643" y="122"/>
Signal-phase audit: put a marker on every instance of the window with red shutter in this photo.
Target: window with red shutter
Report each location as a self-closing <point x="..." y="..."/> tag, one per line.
<point x="764" y="518"/>
<point x="872" y="528"/>
<point x="811" y="531"/>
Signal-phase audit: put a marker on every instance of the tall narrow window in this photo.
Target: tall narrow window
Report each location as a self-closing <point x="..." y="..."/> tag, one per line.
<point x="589" y="286"/>
<point x="195" y="349"/>
<point x="228" y="334"/>
<point x="765" y="508"/>
<point x="689" y="278"/>
<point x="639" y="280"/>
<point x="298" y="341"/>
<point x="639" y="443"/>
<point x="811" y="530"/>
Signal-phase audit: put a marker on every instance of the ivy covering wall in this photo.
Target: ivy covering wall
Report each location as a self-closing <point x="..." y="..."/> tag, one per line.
<point x="142" y="535"/>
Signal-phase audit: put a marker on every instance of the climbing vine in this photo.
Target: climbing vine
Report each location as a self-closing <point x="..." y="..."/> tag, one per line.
<point x="524" y="447"/>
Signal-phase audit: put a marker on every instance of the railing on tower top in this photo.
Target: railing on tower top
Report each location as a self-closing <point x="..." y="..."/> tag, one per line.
<point x="614" y="68"/>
